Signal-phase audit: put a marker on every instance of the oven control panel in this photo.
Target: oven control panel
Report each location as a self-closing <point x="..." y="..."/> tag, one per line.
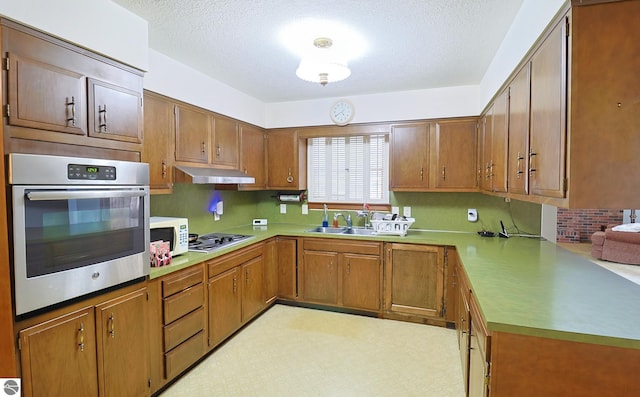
<point x="91" y="172"/>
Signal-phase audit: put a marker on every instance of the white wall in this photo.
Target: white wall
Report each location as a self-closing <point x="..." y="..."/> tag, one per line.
<point x="176" y="80"/>
<point x="395" y="106"/>
<point x="100" y="25"/>
<point x="532" y="18"/>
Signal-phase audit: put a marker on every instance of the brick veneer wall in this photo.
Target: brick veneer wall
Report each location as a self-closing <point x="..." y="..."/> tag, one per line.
<point x="575" y="226"/>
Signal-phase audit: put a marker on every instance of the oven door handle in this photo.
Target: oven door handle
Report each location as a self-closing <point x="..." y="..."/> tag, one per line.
<point x="82" y="194"/>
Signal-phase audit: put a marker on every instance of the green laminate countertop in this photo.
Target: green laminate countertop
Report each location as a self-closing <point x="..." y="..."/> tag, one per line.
<point x="522" y="285"/>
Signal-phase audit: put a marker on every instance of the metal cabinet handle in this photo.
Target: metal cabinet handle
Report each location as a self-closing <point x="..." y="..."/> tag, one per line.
<point x="72" y="119"/>
<point x="218" y="150"/>
<point x="235" y="284"/>
<point x="289" y="176"/>
<point x="532" y="168"/>
<point x="102" y="118"/>
<point x="518" y="165"/>
<point x="349" y="267"/>
<point x="81" y="337"/>
<point x="421" y="173"/>
<point x="444" y="173"/>
<point x="164" y="168"/>
<point x="246" y="276"/>
<point x="112" y="325"/>
<point x="203" y="147"/>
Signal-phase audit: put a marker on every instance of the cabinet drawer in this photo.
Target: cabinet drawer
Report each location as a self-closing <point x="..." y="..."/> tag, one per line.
<point x="181" y="281"/>
<point x="355" y="247"/>
<point x="182" y="329"/>
<point x="182" y="303"/>
<point x="184" y="355"/>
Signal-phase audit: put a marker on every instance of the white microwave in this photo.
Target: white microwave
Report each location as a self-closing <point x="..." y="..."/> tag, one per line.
<point x="173" y="230"/>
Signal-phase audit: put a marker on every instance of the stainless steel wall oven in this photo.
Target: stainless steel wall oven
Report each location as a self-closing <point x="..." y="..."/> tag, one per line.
<point x="79" y="226"/>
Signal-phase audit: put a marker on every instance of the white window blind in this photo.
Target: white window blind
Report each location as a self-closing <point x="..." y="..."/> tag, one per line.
<point x="350" y="169"/>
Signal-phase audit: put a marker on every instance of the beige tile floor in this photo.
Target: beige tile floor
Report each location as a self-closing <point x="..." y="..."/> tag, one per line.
<point x="291" y="351"/>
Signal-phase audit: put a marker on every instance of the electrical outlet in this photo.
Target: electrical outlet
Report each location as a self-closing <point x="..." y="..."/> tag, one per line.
<point x="283" y="208"/>
<point x="472" y="215"/>
<point x="406" y="211"/>
<point x="395" y="210"/>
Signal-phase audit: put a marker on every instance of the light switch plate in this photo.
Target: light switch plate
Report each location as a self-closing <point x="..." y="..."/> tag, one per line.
<point x="305" y="209"/>
<point x="395" y="210"/>
<point x="283" y="208"/>
<point x="406" y="211"/>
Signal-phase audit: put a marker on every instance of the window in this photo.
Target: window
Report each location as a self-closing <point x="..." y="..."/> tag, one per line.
<point x="349" y="169"/>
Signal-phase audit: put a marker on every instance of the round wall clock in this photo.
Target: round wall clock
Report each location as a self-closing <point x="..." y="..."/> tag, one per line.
<point x="342" y="112"/>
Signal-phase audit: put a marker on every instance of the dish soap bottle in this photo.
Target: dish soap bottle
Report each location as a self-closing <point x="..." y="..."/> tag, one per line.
<point x="325" y="219"/>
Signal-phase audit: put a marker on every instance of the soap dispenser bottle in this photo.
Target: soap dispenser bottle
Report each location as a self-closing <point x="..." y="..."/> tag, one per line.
<point x="325" y="219"/>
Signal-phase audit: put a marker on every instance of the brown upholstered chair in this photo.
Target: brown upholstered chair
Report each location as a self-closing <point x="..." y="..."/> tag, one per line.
<point x="621" y="247"/>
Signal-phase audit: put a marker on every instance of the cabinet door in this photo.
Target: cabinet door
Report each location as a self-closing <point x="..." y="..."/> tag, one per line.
<point x="499" y="142"/>
<point x="270" y="255"/>
<point x="287" y="267"/>
<point x="123" y="364"/>
<point x="409" y="157"/>
<point x="252" y="288"/>
<point x="319" y="273"/>
<point x="479" y="345"/>
<point x="485" y="152"/>
<point x="158" y="142"/>
<point x="252" y="156"/>
<point x="455" y="151"/>
<point x="114" y="112"/>
<point x="519" y="94"/>
<point x="193" y="129"/>
<point x="45" y="96"/>
<point x="286" y="161"/>
<point x="225" y="143"/>
<point x="548" y="115"/>
<point x="224" y="305"/>
<point x="415" y="279"/>
<point x="361" y="282"/>
<point x="60" y="355"/>
<point x="463" y="322"/>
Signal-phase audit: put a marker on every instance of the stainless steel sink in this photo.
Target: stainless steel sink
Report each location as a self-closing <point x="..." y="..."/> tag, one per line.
<point x="329" y="230"/>
<point x="342" y="230"/>
<point x="359" y="231"/>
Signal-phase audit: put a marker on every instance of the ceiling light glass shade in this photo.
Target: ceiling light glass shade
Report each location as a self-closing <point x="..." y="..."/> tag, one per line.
<point x="322" y="71"/>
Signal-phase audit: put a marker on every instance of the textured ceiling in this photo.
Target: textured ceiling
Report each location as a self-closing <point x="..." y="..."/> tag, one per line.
<point x="412" y="44"/>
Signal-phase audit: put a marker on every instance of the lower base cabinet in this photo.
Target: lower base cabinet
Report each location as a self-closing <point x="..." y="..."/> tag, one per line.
<point x="414" y="282"/>
<point x="235" y="291"/>
<point x="95" y="350"/>
<point x="341" y="273"/>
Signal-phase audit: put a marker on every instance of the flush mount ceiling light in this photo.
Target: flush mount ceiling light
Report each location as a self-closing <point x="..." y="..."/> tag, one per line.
<point x="323" y="66"/>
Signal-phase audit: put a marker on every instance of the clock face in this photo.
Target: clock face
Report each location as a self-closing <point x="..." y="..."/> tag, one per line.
<point x="341" y="112"/>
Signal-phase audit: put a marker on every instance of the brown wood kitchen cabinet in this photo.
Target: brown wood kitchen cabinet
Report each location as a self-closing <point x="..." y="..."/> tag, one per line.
<point x="225" y="141"/>
<point x="409" y="157"/>
<point x="479" y="353"/>
<point x="286" y="160"/>
<point x="341" y="273"/>
<point x="287" y="248"/>
<point x="235" y="290"/>
<point x="463" y="323"/>
<point x="93" y="350"/>
<point x="183" y="320"/>
<point x="60" y="93"/>
<point x="494" y="145"/>
<point x="253" y="156"/>
<point x="519" y="97"/>
<point x="414" y="277"/>
<point x="455" y="148"/>
<point x="192" y="134"/>
<point x="270" y="255"/>
<point x="158" y="143"/>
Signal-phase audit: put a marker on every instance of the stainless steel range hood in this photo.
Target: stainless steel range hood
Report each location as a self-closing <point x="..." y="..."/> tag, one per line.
<point x="199" y="175"/>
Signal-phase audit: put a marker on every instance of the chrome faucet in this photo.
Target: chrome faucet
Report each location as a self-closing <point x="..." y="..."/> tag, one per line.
<point x="366" y="214"/>
<point x="347" y="218"/>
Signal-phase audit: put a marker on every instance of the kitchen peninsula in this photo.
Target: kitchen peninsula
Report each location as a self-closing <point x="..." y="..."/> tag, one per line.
<point x="548" y="312"/>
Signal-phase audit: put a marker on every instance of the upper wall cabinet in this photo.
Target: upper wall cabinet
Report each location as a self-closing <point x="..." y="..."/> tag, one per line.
<point x="57" y="92"/>
<point x="286" y="160"/>
<point x="225" y="143"/>
<point x="193" y="134"/>
<point x="253" y="156"/>
<point x="455" y="148"/>
<point x="409" y="157"/>
<point x="494" y="145"/>
<point x="519" y="95"/>
<point x="158" y="141"/>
